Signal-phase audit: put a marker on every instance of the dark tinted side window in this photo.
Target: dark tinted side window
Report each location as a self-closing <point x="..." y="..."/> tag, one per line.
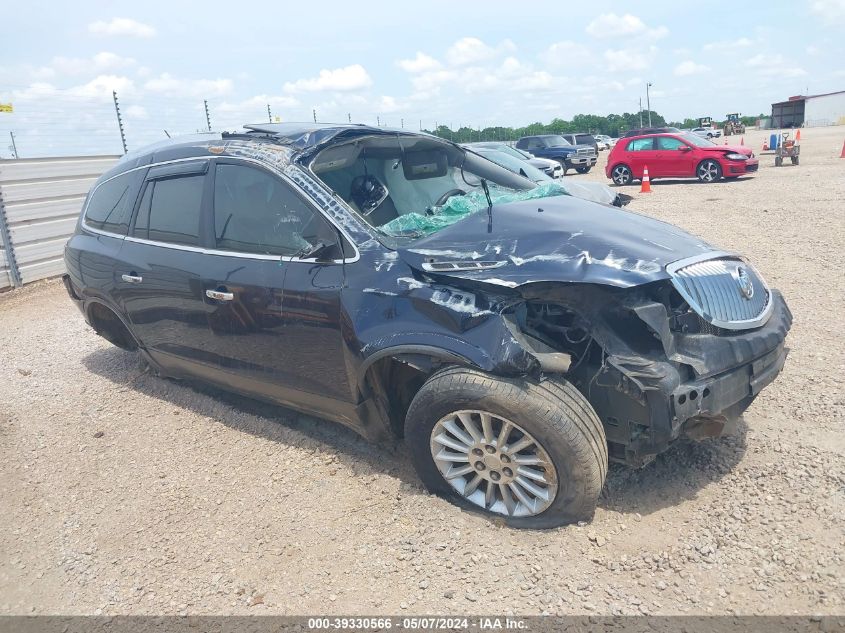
<point x="170" y="210"/>
<point x="584" y="139"/>
<point x="111" y="204"/>
<point x="256" y="212"/>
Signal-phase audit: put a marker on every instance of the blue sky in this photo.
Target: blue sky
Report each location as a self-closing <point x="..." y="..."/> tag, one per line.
<point x="467" y="63"/>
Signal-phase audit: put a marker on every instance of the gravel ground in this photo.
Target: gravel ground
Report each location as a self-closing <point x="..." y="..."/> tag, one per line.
<point x="125" y="493"/>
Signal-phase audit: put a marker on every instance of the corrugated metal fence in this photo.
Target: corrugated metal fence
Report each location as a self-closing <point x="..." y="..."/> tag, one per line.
<point x="40" y="200"/>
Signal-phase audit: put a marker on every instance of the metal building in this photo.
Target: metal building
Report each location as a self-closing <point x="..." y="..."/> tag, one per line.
<point x="810" y="110"/>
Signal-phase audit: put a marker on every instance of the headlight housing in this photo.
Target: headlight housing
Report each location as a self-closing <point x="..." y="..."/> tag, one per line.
<point x="735" y="156"/>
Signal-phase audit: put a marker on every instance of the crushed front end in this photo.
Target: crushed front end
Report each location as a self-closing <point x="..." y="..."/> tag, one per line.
<point x="670" y="358"/>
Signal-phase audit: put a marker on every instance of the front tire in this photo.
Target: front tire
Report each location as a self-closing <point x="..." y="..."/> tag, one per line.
<point x="531" y="453"/>
<point x="708" y="171"/>
<point x="583" y="170"/>
<point x="622" y="175"/>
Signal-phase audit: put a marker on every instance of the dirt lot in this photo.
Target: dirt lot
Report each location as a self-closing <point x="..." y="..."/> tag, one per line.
<point x="125" y="493"/>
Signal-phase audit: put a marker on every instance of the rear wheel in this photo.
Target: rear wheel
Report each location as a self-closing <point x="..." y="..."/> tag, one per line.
<point x="621" y="175"/>
<point x="778" y="161"/>
<point x="531" y="453"/>
<point x="708" y="171"/>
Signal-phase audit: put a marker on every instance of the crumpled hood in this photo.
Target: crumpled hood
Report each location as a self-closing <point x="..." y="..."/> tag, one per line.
<point x="736" y="149"/>
<point x="570" y="240"/>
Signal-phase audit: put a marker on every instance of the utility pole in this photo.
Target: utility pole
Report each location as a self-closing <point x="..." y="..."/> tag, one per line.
<point x="378" y="121"/>
<point x="402" y="123"/>
<point x="641" y="111"/>
<point x="207" y="116"/>
<point x="314" y="112"/>
<point x="420" y="125"/>
<point x="349" y="116"/>
<point x="119" y="120"/>
<point x="14" y="147"/>
<point x="269" y="114"/>
<point x="648" y="103"/>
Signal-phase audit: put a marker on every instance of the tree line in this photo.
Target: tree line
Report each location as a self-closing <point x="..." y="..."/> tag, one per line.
<point x="612" y="125"/>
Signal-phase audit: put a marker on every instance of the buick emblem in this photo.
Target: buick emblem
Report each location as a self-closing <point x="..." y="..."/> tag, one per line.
<point x="746" y="286"/>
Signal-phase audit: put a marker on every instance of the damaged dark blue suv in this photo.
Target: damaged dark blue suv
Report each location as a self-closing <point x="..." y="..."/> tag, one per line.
<point x="516" y="336"/>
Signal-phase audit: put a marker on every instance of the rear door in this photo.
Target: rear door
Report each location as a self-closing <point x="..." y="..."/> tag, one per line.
<point x="161" y="263"/>
<point x="641" y="153"/>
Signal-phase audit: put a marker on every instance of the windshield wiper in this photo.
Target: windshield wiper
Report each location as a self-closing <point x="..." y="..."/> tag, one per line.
<point x="489" y="205"/>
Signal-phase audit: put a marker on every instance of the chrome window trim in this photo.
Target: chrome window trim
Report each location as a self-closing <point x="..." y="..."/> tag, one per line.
<point x="211" y="251"/>
<point x="747" y="324"/>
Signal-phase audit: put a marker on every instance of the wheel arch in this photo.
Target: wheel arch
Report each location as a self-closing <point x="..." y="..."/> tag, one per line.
<point x="393" y="375"/>
<point x="110" y="324"/>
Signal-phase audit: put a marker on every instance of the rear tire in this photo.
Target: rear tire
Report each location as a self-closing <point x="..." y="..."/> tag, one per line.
<point x="566" y="436"/>
<point x="621" y="175"/>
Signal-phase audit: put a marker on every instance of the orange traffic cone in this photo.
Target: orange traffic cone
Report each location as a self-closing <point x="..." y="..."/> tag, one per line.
<point x="646" y="186"/>
<point x="798" y="135"/>
<point x="842" y="155"/>
<point x="742" y="141"/>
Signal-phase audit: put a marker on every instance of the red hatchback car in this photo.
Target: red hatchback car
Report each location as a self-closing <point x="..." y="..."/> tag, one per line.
<point x="677" y="156"/>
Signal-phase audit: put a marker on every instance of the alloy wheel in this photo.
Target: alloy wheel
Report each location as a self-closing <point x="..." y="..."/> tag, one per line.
<point x="621" y="175"/>
<point x="493" y="463"/>
<point x="708" y="171"/>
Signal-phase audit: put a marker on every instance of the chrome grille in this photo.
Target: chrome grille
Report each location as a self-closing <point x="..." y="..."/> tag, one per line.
<point x="713" y="287"/>
<point x="585" y="151"/>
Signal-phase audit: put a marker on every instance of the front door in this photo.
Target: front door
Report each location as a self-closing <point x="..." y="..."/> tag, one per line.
<point x="675" y="156"/>
<point x="273" y="312"/>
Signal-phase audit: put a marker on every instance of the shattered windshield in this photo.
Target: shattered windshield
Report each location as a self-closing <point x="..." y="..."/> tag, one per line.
<point x="409" y="186"/>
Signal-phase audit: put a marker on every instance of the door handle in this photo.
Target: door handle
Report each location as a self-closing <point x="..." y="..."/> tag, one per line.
<point x="219" y="296"/>
<point x="132" y="279"/>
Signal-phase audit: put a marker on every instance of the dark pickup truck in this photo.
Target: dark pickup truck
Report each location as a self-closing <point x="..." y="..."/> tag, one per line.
<point x="581" y="158"/>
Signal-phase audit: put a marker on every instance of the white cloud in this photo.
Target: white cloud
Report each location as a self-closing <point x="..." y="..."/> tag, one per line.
<point x="420" y="63"/>
<point x="258" y="102"/>
<point x="102" y="86"/>
<point x="565" y="53"/>
<point x="742" y="42"/>
<point x="101" y="63"/>
<point x="196" y="88"/>
<point x="348" y="78"/>
<point x="774" y="66"/>
<point x="689" y="67"/>
<point x="609" y="25"/>
<point x="388" y="105"/>
<point x="628" y="59"/>
<point x="831" y="11"/>
<point x="136" y="112"/>
<point x="122" y="26"/>
<point x="469" y="50"/>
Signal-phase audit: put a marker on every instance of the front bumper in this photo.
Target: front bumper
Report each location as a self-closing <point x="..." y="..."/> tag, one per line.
<point x="704" y="378"/>
<point x="581" y="161"/>
<point x="736" y="168"/>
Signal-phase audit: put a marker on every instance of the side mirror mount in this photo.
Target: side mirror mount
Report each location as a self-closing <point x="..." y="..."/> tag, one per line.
<point x="684" y="148"/>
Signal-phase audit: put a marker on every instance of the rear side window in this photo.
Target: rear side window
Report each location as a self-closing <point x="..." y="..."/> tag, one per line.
<point x="584" y="139"/>
<point x="667" y="142"/>
<point x="111" y="204"/>
<point x="641" y="144"/>
<point x="170" y="210"/>
<point x="256" y="212"/>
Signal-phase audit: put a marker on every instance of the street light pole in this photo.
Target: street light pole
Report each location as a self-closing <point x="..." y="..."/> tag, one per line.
<point x="648" y="103"/>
